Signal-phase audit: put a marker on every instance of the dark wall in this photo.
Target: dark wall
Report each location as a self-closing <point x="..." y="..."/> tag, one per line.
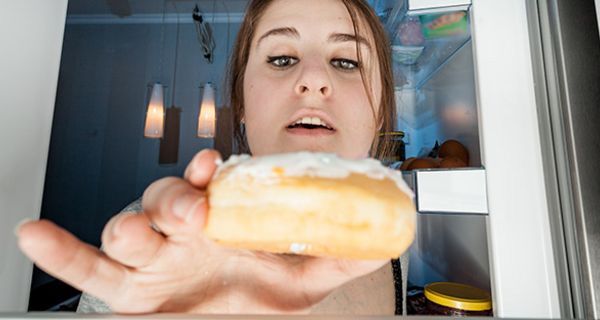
<point x="99" y="160"/>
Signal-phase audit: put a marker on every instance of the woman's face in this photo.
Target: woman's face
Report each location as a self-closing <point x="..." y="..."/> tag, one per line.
<point x="302" y="87"/>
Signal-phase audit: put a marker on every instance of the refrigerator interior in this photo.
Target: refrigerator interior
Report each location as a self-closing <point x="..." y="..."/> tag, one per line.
<point x="436" y="101"/>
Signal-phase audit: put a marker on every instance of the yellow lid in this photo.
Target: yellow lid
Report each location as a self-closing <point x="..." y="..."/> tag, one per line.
<point x="392" y="133"/>
<point x="458" y="296"/>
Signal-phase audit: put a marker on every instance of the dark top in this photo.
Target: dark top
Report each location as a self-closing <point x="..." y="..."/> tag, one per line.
<point x="397" y="271"/>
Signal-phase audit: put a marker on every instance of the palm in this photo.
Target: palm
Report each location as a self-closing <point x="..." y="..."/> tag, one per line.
<point x="272" y="282"/>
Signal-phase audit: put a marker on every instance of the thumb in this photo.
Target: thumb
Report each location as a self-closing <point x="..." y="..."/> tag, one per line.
<point x="200" y="170"/>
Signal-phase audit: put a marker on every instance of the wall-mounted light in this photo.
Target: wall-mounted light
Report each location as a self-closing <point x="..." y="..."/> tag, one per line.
<point x="155" y="113"/>
<point x="207" y="114"/>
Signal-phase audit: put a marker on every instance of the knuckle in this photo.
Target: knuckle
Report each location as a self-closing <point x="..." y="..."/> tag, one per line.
<point x="158" y="190"/>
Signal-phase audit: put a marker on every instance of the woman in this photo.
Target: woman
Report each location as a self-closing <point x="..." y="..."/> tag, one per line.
<point x="293" y="60"/>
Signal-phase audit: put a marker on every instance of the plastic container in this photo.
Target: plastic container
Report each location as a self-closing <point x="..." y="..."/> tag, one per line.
<point x="444" y="25"/>
<point x="455" y="299"/>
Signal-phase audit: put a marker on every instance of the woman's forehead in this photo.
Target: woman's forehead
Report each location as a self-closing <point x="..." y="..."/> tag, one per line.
<point x="322" y="17"/>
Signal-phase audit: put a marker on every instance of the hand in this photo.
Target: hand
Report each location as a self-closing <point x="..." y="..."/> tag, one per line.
<point x="141" y="270"/>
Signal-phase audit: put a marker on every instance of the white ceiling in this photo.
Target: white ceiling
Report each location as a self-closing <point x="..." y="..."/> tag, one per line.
<point x="137" y="7"/>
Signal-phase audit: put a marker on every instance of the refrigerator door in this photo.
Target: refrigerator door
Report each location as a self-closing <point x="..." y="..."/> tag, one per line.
<point x="569" y="74"/>
<point x="520" y="234"/>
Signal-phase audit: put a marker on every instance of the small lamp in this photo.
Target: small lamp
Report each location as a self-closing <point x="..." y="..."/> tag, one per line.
<point x="207" y="116"/>
<point x="155" y="114"/>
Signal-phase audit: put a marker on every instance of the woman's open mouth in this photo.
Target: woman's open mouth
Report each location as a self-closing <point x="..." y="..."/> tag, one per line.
<point x="310" y="126"/>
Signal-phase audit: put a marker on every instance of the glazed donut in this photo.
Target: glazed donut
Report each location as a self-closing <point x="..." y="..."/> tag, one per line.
<point x="311" y="203"/>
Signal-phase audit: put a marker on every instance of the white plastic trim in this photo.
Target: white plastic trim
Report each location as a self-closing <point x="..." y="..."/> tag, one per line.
<point x="456" y="190"/>
<point x="522" y="265"/>
<point x="435" y="4"/>
<point x="32" y="36"/>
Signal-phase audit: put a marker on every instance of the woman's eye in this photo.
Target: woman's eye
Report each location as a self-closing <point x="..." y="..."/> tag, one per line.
<point x="282" y="61"/>
<point x="344" y="64"/>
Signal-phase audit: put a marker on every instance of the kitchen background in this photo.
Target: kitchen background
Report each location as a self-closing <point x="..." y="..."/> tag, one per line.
<point x="99" y="160"/>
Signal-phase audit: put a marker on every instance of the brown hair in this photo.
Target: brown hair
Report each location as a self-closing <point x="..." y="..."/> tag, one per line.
<point x="386" y="117"/>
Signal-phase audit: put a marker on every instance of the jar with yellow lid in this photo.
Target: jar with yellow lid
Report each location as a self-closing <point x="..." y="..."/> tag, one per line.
<point x="456" y="299"/>
<point x="397" y="147"/>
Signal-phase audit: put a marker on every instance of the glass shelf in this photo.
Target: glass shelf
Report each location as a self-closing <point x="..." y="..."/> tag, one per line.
<point x="422" y="40"/>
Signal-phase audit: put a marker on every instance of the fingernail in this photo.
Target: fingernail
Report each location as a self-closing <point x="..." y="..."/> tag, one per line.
<point x="18" y="226"/>
<point x="185" y="207"/>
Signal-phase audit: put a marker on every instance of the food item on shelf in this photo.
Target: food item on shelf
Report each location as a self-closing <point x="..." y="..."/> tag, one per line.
<point x="423" y="163"/>
<point x="450" y="154"/>
<point x="456" y="299"/>
<point x="443" y="25"/>
<point x="454" y="148"/>
<point x="410" y="33"/>
<point x="313" y="204"/>
<point x="397" y="152"/>
<point x="406" y="163"/>
<point x="452" y="162"/>
<point x="448" y="299"/>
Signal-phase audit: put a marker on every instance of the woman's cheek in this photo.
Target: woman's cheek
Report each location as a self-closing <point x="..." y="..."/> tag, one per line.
<point x="261" y="90"/>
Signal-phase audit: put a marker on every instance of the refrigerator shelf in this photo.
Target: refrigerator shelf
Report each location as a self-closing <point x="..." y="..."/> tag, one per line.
<point x="424" y="35"/>
<point x="449" y="191"/>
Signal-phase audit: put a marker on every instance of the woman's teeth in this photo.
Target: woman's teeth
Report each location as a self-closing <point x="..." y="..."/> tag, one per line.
<point x="311" y="122"/>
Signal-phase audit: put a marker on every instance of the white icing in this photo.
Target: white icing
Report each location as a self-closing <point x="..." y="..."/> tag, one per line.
<point x="298" y="247"/>
<point x="326" y="165"/>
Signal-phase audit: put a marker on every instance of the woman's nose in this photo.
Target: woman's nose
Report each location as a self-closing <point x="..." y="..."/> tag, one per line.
<point x="314" y="79"/>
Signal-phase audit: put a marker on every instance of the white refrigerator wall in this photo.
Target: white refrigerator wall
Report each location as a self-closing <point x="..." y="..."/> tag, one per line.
<point x="31" y="32"/>
<point x="523" y="274"/>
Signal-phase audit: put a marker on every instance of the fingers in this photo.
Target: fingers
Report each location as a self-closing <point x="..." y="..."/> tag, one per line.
<point x="202" y="167"/>
<point x="176" y="207"/>
<point x="129" y="239"/>
<point x="59" y="253"/>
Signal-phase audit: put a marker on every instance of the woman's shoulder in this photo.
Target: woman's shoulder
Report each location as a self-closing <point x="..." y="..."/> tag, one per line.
<point x="135" y="206"/>
<point x="91" y="304"/>
<point x="371" y="294"/>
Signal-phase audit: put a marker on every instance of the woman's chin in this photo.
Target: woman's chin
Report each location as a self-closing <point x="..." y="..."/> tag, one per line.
<point x="348" y="154"/>
<point x="310" y="145"/>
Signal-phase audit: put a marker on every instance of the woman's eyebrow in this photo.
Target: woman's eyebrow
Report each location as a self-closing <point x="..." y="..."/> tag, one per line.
<point x="285" y="31"/>
<point x="345" y="37"/>
<point x="334" y="37"/>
